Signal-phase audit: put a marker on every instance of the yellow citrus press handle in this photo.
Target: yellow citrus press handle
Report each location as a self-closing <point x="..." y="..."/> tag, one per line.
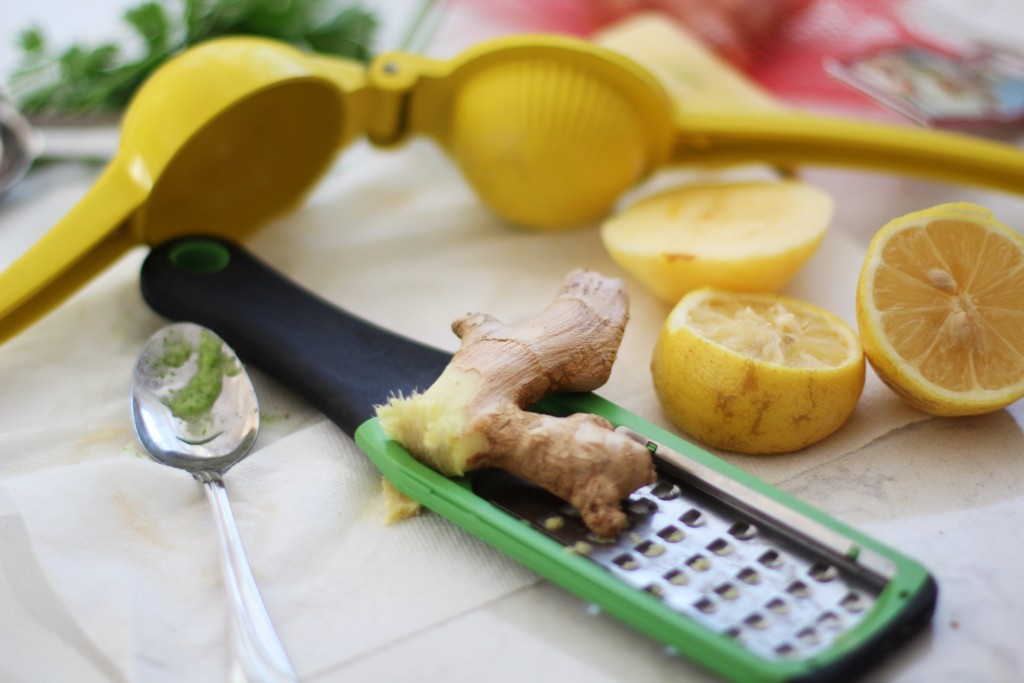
<point x="795" y="138"/>
<point x="247" y="76"/>
<point x="94" y="233"/>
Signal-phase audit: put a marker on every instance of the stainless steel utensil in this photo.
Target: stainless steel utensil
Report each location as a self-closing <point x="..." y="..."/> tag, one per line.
<point x="195" y="408"/>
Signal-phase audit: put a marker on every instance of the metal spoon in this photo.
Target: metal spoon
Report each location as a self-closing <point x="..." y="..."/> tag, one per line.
<point x="18" y="144"/>
<point x="195" y="408"/>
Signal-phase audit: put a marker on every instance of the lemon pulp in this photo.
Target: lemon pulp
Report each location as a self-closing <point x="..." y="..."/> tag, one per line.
<point x="769" y="331"/>
<point x="756" y="373"/>
<point x="941" y="309"/>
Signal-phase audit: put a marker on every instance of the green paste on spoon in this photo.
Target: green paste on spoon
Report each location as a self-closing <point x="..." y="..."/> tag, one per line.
<point x="197" y="397"/>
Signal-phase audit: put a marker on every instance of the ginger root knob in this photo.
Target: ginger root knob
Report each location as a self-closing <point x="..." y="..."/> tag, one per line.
<point x="475" y="414"/>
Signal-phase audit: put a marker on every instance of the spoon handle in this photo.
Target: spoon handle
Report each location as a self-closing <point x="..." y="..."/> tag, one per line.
<point x="258" y="652"/>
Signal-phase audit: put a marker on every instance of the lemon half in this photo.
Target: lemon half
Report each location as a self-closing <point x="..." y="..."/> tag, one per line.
<point x="940" y="307"/>
<point x="744" y="236"/>
<point x="756" y="373"/>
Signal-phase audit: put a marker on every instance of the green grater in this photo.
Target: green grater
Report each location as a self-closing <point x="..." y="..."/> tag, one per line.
<point x="738" y="576"/>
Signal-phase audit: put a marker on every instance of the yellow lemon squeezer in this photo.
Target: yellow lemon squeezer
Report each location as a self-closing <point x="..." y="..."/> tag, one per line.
<point x="548" y="130"/>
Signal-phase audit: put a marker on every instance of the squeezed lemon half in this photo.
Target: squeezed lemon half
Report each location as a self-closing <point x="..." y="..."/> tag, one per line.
<point x="940" y="308"/>
<point x="756" y="373"/>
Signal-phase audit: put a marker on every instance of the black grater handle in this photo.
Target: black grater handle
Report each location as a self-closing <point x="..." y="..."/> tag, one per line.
<point x="342" y="364"/>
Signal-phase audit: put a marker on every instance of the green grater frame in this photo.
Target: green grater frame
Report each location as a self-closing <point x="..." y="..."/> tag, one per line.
<point x="903" y="607"/>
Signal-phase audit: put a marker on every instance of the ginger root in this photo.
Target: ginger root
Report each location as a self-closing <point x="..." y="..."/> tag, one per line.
<point x="474" y="415"/>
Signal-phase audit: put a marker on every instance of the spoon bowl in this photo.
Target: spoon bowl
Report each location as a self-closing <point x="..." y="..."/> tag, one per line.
<point x="193" y="404"/>
<point x="195" y="409"/>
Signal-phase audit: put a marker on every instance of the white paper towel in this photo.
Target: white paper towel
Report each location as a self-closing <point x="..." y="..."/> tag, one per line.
<point x="108" y="564"/>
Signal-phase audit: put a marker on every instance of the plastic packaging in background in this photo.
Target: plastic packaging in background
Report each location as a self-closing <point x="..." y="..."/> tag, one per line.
<point x="856" y="55"/>
<point x="940" y="88"/>
<point x="816" y="54"/>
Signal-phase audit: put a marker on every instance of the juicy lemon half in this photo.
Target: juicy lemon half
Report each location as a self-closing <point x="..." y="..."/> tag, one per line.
<point x="744" y="236"/>
<point x="756" y="373"/>
<point x="940" y="307"/>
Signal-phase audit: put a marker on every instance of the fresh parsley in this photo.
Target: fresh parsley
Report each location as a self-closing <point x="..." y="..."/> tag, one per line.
<point x="84" y="80"/>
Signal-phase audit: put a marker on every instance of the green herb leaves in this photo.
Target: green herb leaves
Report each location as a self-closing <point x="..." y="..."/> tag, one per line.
<point x="83" y="80"/>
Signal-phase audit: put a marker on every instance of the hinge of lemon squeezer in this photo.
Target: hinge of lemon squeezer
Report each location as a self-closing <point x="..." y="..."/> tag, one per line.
<point x="395" y="78"/>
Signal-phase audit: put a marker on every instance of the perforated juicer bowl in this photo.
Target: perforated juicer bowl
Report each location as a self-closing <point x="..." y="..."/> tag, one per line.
<point x="549" y="132"/>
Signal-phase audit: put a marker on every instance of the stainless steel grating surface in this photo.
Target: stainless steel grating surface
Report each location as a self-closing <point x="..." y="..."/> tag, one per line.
<point x="734" y="572"/>
<point x="700" y="558"/>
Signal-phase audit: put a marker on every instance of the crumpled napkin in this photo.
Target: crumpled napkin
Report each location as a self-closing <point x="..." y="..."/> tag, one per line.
<point x="123" y="550"/>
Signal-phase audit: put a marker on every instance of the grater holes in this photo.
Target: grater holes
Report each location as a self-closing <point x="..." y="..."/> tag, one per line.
<point x="785" y="650"/>
<point x="809" y="636"/>
<point x="758" y="621"/>
<point x="649" y="548"/>
<point x="743" y="531"/>
<point x="626" y="561"/>
<point x="799" y="589"/>
<point x="665" y="491"/>
<point x="830" y="620"/>
<point x="733" y="632"/>
<point x="642" y="506"/>
<point x="676" y="577"/>
<point x="853" y="603"/>
<point x="706" y="605"/>
<point x="771" y="558"/>
<point x="823" y="572"/>
<point x="699" y="563"/>
<point x="692" y="517"/>
<point x="720" y="547"/>
<point x="749" y="576"/>
<point x="655" y="590"/>
<point x="727" y="591"/>
<point x="673" y="550"/>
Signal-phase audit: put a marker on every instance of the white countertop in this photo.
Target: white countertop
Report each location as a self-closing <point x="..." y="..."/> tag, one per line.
<point x="108" y="564"/>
